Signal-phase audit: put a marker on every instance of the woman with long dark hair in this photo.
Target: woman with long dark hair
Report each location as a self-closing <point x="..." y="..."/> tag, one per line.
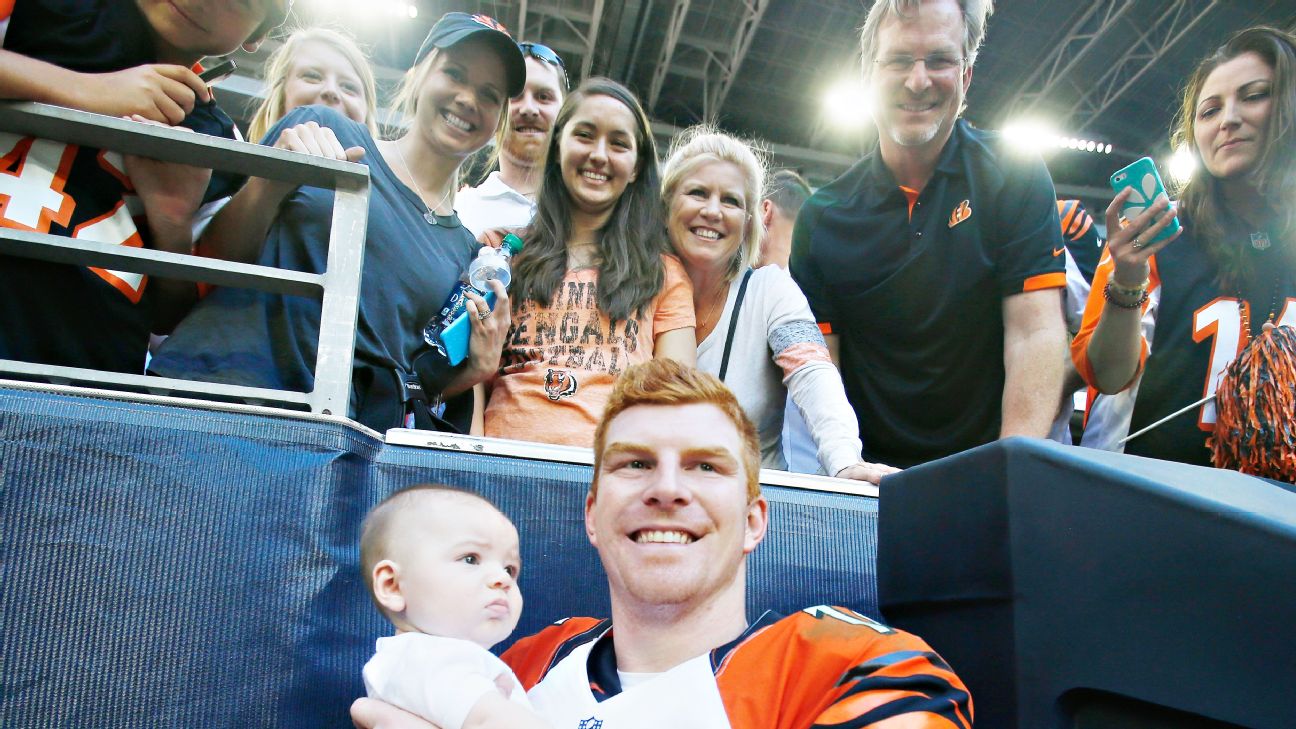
<point x="594" y="290"/>
<point x="1170" y="315"/>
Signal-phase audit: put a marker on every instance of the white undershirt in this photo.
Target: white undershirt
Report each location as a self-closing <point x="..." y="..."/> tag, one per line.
<point x="630" y="680"/>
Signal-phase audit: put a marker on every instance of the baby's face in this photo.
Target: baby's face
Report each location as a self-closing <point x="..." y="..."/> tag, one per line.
<point x="458" y="561"/>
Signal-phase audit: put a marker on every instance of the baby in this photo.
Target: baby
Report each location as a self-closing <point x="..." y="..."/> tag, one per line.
<point x="442" y="565"/>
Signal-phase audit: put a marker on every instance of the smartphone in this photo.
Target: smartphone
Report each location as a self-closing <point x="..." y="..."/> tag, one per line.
<point x="455" y="336"/>
<point x="218" y="72"/>
<point x="1142" y="176"/>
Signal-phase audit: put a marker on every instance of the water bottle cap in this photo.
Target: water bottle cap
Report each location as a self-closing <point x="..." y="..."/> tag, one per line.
<point x="514" y="243"/>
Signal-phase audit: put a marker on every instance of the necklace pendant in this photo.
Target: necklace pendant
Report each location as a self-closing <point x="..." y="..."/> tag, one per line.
<point x="1260" y="241"/>
<point x="430" y="217"/>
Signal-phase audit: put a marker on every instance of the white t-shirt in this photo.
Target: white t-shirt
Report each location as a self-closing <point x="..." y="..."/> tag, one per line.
<point x="685" y="697"/>
<point x="493" y="204"/>
<point x="778" y="352"/>
<point x="439" y="679"/>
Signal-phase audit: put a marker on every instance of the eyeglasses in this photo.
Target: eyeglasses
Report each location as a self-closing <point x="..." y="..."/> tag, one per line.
<point x="934" y="63"/>
<point x="546" y="54"/>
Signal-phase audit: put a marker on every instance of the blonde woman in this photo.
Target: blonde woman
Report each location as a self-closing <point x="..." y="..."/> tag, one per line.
<point x="754" y="327"/>
<point x="454" y="97"/>
<point x="313" y="66"/>
<point x="317" y="66"/>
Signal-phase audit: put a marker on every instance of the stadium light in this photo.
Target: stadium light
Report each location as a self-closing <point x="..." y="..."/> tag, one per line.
<point x="1031" y="135"/>
<point x="1035" y="136"/>
<point x="1181" y="165"/>
<point x="845" y="105"/>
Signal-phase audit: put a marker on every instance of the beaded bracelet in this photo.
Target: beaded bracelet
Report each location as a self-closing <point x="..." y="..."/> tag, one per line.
<point x="1130" y="292"/>
<point x="1114" y="294"/>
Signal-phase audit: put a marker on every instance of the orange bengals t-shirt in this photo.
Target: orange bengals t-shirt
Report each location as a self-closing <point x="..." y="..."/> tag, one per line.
<point x="560" y="361"/>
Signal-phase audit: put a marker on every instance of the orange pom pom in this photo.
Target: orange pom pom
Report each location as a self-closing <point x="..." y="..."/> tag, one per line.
<point x="1255" y="409"/>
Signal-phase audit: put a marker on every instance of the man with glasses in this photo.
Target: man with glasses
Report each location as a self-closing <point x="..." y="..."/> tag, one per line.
<point x="506" y="197"/>
<point x="934" y="264"/>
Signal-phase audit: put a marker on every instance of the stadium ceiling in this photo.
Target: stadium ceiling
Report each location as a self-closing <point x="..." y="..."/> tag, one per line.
<point x="1107" y="70"/>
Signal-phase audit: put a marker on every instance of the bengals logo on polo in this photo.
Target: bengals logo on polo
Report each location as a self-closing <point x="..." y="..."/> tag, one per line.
<point x="961" y="213"/>
<point x="560" y="384"/>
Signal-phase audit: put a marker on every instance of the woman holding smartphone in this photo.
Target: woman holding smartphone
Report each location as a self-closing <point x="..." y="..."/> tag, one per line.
<point x="594" y="290"/>
<point x="1166" y="317"/>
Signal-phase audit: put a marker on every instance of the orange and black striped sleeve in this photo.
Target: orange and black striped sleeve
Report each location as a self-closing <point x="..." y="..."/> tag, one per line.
<point x="831" y="667"/>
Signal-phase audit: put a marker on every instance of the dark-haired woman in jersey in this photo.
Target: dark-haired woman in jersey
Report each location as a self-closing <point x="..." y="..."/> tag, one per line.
<point x="1166" y="317"/>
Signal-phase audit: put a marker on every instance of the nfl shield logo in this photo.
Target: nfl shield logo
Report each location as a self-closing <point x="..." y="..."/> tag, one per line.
<point x="591" y="723"/>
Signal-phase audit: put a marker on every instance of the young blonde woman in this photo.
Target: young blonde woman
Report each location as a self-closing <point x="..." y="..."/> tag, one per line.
<point x="1172" y="314"/>
<point x="454" y="96"/>
<point x="313" y="66"/>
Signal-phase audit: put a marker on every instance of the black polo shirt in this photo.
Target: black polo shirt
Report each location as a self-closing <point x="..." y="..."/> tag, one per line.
<point x="916" y="295"/>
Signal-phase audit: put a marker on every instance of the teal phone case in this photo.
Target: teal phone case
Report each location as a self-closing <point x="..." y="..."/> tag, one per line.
<point x="455" y="337"/>
<point x="1141" y="175"/>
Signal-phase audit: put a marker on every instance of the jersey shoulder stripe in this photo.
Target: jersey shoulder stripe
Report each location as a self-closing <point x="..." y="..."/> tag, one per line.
<point x="531" y="658"/>
<point x="830" y="666"/>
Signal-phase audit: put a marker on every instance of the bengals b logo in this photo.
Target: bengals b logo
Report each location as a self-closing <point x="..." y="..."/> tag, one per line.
<point x="961" y="213"/>
<point x="559" y="384"/>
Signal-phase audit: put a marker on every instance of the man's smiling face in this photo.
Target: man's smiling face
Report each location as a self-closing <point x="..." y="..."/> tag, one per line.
<point x="917" y="107"/>
<point x="671" y="514"/>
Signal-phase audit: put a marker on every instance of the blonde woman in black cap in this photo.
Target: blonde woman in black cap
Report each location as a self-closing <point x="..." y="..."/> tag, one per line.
<point x="453" y="97"/>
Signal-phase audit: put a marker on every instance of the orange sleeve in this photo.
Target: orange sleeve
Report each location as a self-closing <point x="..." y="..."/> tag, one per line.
<point x="831" y="667"/>
<point x="1054" y="280"/>
<point x="6" y="9"/>
<point x="532" y="657"/>
<point x="1093" y="313"/>
<point x="674" y="308"/>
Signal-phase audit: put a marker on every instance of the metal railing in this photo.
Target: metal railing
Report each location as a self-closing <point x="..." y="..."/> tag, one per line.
<point x="338" y="286"/>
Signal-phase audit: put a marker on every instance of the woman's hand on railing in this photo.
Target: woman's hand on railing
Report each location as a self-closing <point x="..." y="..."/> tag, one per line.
<point x="865" y="471"/>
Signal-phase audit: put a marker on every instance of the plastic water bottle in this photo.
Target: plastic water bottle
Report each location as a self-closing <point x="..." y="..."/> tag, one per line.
<point x="490" y="263"/>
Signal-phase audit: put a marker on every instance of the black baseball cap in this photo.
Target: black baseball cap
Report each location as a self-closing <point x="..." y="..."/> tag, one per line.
<point x="454" y="28"/>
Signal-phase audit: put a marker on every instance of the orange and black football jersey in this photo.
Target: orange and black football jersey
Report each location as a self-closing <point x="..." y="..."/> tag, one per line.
<point x="1192" y="330"/>
<point x="821" y="667"/>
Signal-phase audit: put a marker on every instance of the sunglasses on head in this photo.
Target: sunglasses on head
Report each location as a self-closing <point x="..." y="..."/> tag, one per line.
<point x="546" y="54"/>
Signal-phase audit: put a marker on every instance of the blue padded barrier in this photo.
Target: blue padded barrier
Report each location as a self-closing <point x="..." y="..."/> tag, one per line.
<point x="173" y="567"/>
